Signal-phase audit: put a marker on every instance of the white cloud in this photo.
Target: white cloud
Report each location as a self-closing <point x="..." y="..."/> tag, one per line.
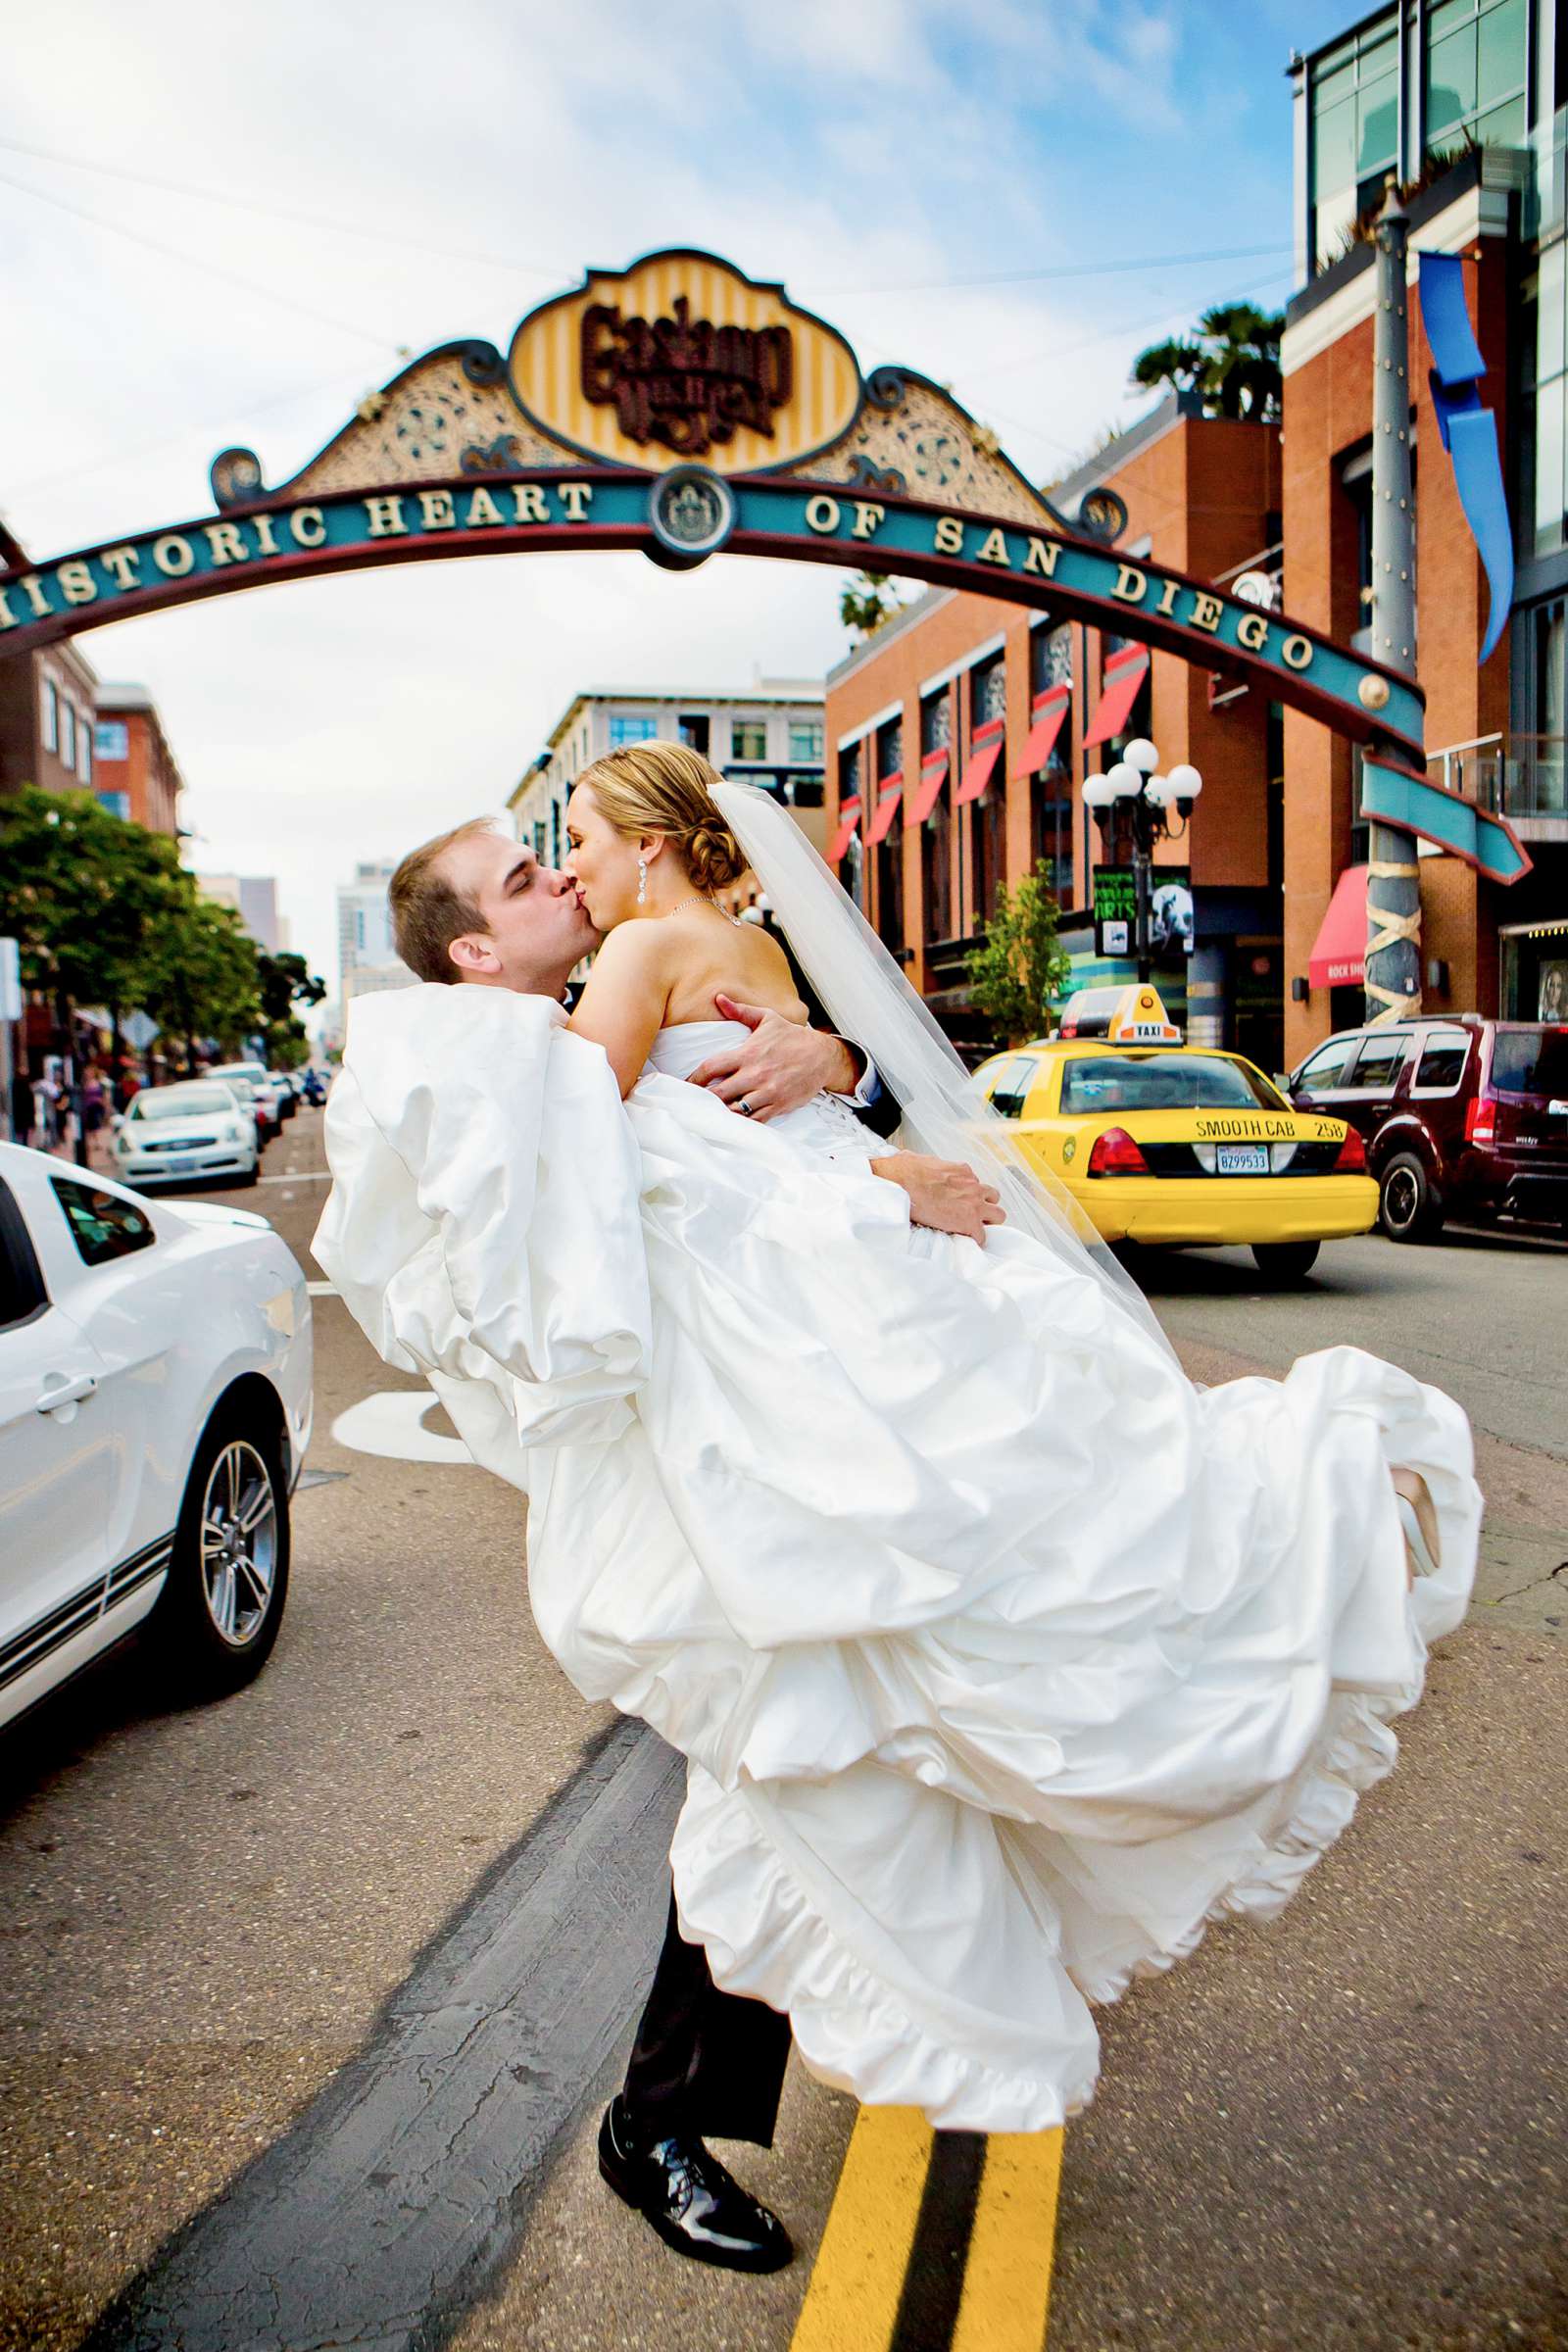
<point x="845" y="146"/>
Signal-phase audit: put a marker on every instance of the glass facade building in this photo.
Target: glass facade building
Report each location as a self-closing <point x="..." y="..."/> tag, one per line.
<point x="1412" y="90"/>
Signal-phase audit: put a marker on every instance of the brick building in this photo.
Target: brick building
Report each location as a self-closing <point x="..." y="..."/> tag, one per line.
<point x="990" y="716"/>
<point x="960" y="736"/>
<point x="47" y="709"/>
<point x="136" y="774"/>
<point x="1468" y="99"/>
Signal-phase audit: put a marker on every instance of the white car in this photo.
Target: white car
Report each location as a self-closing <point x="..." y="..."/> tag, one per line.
<point x="259" y="1080"/>
<point x="200" y="1127"/>
<point x="155" y="1408"/>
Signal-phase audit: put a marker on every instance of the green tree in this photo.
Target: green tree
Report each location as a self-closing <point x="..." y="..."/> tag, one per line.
<point x="282" y="982"/>
<point x="78" y="888"/>
<point x="199" y="976"/>
<point x="868" y="600"/>
<point x="1232" y="359"/>
<point x="1021" y="965"/>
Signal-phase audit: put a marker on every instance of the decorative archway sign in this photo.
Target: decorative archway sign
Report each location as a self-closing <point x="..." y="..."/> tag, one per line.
<point x="681" y="407"/>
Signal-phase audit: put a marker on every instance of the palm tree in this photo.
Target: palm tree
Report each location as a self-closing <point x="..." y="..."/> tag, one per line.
<point x="1233" y="362"/>
<point x="868" y="601"/>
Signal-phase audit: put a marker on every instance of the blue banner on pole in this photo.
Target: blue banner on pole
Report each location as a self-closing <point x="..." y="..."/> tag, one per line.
<point x="1469" y="430"/>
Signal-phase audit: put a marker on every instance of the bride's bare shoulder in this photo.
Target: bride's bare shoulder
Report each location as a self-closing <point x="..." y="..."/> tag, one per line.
<point x="772" y="960"/>
<point x="633" y="951"/>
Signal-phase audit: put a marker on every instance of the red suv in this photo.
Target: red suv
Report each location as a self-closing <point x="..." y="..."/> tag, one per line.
<point x="1460" y="1117"/>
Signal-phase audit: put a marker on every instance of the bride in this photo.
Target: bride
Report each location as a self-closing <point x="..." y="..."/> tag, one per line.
<point x="1004" y="1659"/>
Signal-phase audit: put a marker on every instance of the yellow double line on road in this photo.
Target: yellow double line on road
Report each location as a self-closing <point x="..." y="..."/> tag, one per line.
<point x="935" y="2239"/>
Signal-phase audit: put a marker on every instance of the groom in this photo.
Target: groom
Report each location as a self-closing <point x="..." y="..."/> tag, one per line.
<point x="475" y="906"/>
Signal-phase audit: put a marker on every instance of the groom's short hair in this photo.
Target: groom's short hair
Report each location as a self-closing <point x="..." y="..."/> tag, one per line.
<point x="428" y="911"/>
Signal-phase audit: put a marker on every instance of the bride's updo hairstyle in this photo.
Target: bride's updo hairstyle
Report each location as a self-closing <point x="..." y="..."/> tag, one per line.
<point x="666" y="788"/>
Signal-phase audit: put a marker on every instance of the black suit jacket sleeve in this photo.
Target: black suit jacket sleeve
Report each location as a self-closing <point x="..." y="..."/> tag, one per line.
<point x="882" y="1115"/>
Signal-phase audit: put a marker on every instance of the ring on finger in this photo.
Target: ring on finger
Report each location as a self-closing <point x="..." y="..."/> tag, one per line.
<point x="743" y="1108"/>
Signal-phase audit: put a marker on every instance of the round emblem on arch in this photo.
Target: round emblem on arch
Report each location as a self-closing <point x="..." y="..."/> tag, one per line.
<point x="1373" y="693"/>
<point x="692" y="513"/>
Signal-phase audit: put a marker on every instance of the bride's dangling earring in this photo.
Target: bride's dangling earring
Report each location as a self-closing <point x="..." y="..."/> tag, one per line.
<point x="642" y="881"/>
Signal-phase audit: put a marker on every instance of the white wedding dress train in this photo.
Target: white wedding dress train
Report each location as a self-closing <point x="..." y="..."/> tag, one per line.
<point x="1003" y="1658"/>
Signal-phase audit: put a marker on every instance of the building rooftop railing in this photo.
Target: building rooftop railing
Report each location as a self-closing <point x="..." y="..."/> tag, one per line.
<point x="1510" y="775"/>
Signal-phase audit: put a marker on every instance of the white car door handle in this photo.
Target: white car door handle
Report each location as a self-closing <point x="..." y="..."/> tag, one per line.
<point x="67" y="1391"/>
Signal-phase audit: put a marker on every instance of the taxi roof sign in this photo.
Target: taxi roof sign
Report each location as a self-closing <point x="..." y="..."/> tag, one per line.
<point x="1123" y="1016"/>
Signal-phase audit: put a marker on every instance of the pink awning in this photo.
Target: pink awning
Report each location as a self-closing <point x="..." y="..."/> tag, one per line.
<point x="890" y="793"/>
<point x="1124" y="673"/>
<point x="1339" y="951"/>
<point x="1050" y="709"/>
<point x="933" y="775"/>
<point x="849" y="825"/>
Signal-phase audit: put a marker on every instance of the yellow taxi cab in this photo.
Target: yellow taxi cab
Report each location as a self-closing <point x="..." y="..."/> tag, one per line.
<point x="1179" y="1147"/>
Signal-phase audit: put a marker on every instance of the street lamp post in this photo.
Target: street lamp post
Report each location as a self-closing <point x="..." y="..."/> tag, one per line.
<point x="1148" y="796"/>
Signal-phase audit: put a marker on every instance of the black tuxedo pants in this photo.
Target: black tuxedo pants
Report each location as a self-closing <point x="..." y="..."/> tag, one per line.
<point x="704" y="2061"/>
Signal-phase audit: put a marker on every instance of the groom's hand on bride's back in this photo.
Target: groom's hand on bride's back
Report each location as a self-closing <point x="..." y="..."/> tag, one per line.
<point x="943" y="1194"/>
<point x="779" y="1066"/>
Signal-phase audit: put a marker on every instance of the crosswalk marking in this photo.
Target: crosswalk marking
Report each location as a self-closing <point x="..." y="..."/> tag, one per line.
<point x="912" y="2209"/>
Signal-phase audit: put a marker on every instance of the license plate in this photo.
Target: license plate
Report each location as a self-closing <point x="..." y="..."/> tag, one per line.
<point x="180" y="1163"/>
<point x="1243" y="1159"/>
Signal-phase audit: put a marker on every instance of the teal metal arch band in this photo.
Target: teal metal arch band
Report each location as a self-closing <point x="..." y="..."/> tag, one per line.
<point x="1413" y="804"/>
<point x="282" y="538"/>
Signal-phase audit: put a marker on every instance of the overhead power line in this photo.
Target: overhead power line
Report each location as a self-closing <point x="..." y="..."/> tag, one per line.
<point x="179" y="440"/>
<point x="1149" y="325"/>
<point x="1105" y="268"/>
<point x="273" y="212"/>
<point x="193" y="260"/>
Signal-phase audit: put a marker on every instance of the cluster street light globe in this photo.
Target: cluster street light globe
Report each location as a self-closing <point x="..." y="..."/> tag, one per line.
<point x="1149" y="797"/>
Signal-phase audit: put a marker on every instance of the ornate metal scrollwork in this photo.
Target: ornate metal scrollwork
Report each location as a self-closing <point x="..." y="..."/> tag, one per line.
<point x="482" y="364"/>
<point x="500" y="456"/>
<point x="1102" y="515"/>
<point x="235" y="476"/>
<point x="864" y="475"/>
<point x="884" y="386"/>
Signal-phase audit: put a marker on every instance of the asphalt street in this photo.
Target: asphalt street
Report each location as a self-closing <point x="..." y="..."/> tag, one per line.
<point x="257" y="1956"/>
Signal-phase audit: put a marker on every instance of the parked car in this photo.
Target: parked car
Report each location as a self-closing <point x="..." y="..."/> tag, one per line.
<point x="199" y="1127"/>
<point x="1462" y="1116"/>
<point x="283" y="1088"/>
<point x="155" y="1408"/>
<point x="1178" y="1147"/>
<point x="254" y="1076"/>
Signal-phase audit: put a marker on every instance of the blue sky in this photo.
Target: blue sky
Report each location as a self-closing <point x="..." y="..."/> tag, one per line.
<point x="956" y="185"/>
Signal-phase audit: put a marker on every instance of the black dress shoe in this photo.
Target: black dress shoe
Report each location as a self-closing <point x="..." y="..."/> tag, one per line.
<point x="686" y="2195"/>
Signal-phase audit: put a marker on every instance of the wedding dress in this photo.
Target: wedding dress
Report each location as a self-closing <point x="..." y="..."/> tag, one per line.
<point x="1004" y="1659"/>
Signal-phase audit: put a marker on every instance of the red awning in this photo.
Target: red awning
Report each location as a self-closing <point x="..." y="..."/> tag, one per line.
<point x="1125" y="672"/>
<point x="977" y="775"/>
<point x="1048" y="712"/>
<point x="1339" y="951"/>
<point x="889" y="792"/>
<point x="933" y="775"/>
<point x="849" y="823"/>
